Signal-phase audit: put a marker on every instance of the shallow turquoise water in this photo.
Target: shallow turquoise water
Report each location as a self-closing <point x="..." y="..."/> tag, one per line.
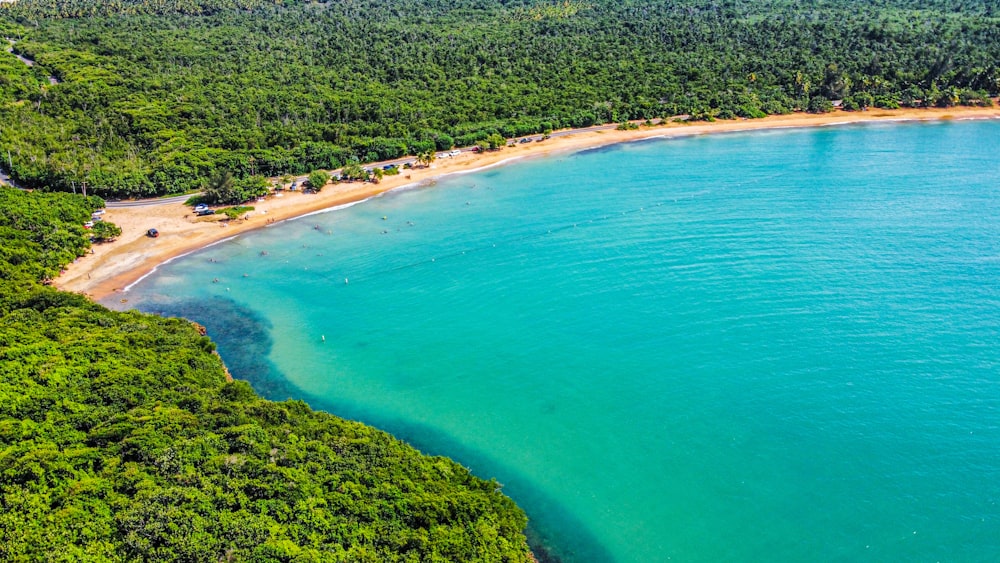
<point x="773" y="346"/>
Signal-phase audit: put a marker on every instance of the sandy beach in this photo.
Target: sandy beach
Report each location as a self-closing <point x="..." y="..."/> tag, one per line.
<point x="111" y="267"/>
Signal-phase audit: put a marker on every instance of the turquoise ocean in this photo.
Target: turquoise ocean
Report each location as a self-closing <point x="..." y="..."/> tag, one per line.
<point x="780" y="345"/>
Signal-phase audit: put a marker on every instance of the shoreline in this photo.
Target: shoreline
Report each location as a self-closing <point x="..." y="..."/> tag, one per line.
<point x="115" y="267"/>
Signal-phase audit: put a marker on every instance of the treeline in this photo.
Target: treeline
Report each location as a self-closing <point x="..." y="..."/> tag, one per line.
<point x="149" y="104"/>
<point x="121" y="440"/>
<point x="90" y="8"/>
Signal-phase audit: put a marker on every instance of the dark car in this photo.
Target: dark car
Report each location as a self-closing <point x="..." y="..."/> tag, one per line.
<point x="152" y="233"/>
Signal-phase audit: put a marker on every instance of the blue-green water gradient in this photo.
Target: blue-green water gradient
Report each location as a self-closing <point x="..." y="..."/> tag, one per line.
<point x="770" y="346"/>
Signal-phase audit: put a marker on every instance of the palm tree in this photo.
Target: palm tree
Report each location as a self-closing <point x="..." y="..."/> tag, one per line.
<point x="219" y="188"/>
<point x="426" y="158"/>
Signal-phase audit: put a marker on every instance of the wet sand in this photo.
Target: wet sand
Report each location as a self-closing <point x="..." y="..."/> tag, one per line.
<point x="111" y="267"/>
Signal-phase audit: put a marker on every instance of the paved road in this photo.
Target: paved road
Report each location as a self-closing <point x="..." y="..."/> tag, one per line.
<point x="565" y="132"/>
<point x="5" y="180"/>
<point x="147" y="202"/>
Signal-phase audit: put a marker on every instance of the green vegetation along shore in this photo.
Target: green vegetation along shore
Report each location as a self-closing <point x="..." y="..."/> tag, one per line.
<point x="138" y="98"/>
<point x="122" y="440"/>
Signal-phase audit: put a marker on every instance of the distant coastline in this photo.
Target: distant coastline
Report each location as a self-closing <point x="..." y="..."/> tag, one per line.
<point x="112" y="268"/>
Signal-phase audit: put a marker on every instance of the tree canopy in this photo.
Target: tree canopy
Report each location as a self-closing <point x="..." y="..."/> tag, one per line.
<point x="151" y="97"/>
<point x="121" y="439"/>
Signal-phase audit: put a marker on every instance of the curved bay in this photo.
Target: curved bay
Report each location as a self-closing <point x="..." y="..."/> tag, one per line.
<point x="766" y="346"/>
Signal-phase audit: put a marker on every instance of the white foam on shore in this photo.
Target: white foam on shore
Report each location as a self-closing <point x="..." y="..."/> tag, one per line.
<point x="324" y="210"/>
<point x="227" y="239"/>
<point x="875" y="121"/>
<point x="172" y="258"/>
<point x="670" y="134"/>
<point x="408" y="186"/>
<point x="481" y="168"/>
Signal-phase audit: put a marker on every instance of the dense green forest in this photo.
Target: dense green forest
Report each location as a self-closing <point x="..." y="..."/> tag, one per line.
<point x="122" y="440"/>
<point x="155" y="96"/>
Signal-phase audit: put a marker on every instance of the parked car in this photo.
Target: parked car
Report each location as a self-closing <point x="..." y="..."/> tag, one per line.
<point x="200" y="207"/>
<point x="152" y="233"/>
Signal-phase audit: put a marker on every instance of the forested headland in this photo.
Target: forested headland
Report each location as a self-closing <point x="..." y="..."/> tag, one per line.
<point x="153" y="97"/>
<point x="122" y="440"/>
